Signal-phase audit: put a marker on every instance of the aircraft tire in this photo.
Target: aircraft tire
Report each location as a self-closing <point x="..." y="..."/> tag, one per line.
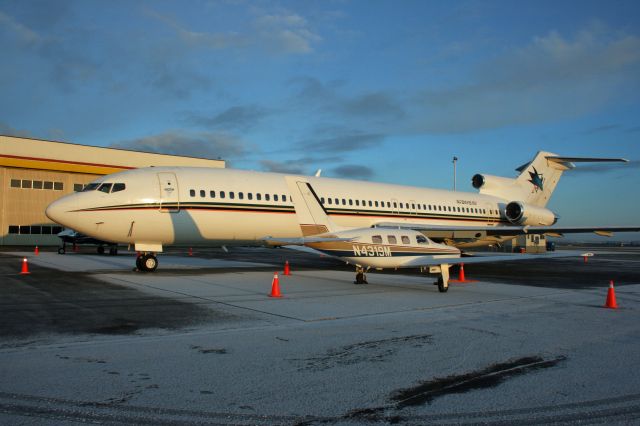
<point x="441" y="287"/>
<point x="100" y="250"/>
<point x="61" y="250"/>
<point x="149" y="263"/>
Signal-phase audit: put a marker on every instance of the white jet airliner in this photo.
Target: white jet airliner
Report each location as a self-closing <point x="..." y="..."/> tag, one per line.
<point x="154" y="207"/>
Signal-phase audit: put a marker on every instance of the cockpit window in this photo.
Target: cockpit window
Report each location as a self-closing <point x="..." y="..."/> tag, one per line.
<point x="105" y="187"/>
<point x="118" y="187"/>
<point x="91" y="187"/>
<point x="421" y="239"/>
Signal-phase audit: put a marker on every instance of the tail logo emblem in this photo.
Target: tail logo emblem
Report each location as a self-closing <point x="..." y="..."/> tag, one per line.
<point x="537" y="180"/>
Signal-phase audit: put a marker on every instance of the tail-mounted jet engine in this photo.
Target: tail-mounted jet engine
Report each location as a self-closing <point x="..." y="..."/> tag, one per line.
<point x="519" y="213"/>
<point x="489" y="182"/>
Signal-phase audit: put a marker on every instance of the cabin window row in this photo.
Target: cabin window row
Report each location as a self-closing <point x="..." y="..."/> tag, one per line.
<point x="337" y="201"/>
<point x="232" y="195"/>
<point x="36" y="184"/>
<point x="35" y="229"/>
<point x="392" y="239"/>
<point x="399" y="205"/>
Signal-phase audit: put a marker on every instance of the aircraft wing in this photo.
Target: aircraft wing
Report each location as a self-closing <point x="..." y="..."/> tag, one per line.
<point x="302" y="241"/>
<point x="306" y="249"/>
<point x="490" y="258"/>
<point x="445" y="231"/>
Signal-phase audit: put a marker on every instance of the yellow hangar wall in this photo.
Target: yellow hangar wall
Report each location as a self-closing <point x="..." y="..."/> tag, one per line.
<point x="33" y="173"/>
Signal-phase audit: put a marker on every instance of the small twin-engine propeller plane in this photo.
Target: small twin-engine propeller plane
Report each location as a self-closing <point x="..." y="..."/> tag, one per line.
<point x="153" y="207"/>
<point x="379" y="247"/>
<point x="69" y="236"/>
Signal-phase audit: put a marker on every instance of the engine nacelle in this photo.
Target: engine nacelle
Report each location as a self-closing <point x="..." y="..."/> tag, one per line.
<point x="489" y="182"/>
<point x="505" y="188"/>
<point x="519" y="213"/>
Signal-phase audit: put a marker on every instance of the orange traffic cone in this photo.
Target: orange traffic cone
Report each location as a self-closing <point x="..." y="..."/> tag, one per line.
<point x="275" y="286"/>
<point x="611" y="297"/>
<point x="287" y="270"/>
<point x="36" y="251"/>
<point x="25" y="267"/>
<point x="190" y="251"/>
<point x="461" y="277"/>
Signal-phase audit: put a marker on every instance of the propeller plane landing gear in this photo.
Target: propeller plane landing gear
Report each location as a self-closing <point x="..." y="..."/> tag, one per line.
<point x="146" y="262"/>
<point x="361" y="277"/>
<point x="443" y="279"/>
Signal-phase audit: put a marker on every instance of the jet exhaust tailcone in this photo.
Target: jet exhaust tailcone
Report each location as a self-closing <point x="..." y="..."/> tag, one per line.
<point x="520" y="213"/>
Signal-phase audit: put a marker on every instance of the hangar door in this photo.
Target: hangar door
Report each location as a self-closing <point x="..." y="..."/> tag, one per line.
<point x="169" y="193"/>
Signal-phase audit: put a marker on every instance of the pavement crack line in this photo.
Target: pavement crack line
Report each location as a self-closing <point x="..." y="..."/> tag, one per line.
<point x="191" y="296"/>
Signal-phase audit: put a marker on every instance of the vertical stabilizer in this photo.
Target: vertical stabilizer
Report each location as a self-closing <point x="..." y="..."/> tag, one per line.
<point x="311" y="215"/>
<point x="539" y="178"/>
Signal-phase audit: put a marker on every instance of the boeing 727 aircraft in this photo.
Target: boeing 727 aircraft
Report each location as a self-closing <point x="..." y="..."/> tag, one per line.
<point x="151" y="208"/>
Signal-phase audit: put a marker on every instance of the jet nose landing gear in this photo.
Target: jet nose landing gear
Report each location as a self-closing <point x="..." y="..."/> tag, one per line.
<point x="146" y="262"/>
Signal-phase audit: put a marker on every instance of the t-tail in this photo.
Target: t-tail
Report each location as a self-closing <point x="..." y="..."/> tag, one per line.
<point x="537" y="180"/>
<point x="311" y="215"/>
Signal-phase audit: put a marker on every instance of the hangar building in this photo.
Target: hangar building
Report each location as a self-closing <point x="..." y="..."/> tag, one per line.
<point x="33" y="173"/>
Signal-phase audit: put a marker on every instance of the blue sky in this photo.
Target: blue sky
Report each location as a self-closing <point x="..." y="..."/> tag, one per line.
<point x="379" y="90"/>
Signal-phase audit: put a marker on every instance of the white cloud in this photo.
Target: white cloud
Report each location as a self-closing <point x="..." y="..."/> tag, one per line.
<point x="7" y="130"/>
<point x="286" y="33"/>
<point x="296" y="167"/>
<point x="194" y="144"/>
<point x="281" y="20"/>
<point x="354" y="171"/>
<point x="235" y="117"/>
<point x="276" y="33"/>
<point x="552" y="78"/>
<point x="25" y="34"/>
<point x="201" y="38"/>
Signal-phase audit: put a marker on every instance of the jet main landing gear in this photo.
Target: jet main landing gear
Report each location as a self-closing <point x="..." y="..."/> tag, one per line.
<point x="146" y="262"/>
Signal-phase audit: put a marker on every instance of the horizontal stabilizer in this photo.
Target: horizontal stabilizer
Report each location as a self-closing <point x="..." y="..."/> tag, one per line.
<point x="566" y="161"/>
<point x="556" y="159"/>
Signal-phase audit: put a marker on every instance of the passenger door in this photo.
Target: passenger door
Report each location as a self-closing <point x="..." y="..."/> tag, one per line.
<point x="169" y="193"/>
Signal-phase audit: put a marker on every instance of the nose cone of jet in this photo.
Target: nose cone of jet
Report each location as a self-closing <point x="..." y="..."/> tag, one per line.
<point x="62" y="211"/>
